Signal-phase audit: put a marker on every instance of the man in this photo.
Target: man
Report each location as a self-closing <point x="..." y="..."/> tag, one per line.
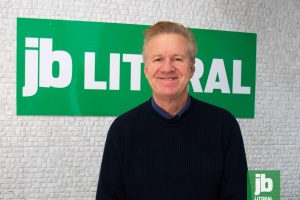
<point x="172" y="146"/>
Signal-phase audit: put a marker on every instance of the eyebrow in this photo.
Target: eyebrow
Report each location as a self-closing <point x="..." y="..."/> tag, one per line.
<point x="159" y="55"/>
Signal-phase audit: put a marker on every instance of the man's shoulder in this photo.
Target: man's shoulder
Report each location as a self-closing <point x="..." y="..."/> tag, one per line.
<point x="133" y="114"/>
<point x="124" y="124"/>
<point x="216" y="117"/>
<point x="211" y="111"/>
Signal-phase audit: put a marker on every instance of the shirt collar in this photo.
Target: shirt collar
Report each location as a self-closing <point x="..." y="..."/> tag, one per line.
<point x="166" y="115"/>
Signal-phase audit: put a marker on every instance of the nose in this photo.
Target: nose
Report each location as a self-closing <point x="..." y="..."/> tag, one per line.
<point x="168" y="66"/>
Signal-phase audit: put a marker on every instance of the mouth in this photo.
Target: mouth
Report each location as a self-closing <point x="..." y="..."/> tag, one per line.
<point x="167" y="78"/>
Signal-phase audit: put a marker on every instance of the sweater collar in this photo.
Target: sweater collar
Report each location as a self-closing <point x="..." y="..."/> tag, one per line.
<point x="166" y="115"/>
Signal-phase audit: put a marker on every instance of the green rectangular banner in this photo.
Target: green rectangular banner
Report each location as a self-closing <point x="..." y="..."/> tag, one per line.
<point x="81" y="68"/>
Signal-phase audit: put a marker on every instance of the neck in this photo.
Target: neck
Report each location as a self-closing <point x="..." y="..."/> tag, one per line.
<point x="171" y="105"/>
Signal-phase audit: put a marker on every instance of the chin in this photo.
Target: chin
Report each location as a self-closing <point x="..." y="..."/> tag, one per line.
<point x="169" y="92"/>
<point x="169" y="95"/>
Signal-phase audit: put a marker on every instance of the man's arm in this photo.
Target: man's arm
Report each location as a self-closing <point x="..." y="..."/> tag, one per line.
<point x="234" y="182"/>
<point x="110" y="185"/>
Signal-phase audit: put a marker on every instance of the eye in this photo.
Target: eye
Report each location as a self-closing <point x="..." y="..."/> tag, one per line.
<point x="178" y="59"/>
<point x="157" y="59"/>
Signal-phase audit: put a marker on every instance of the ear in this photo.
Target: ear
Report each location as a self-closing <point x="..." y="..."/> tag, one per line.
<point x="146" y="71"/>
<point x="192" y="69"/>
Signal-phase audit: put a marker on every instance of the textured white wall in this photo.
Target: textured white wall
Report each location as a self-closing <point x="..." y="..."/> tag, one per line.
<point x="59" y="157"/>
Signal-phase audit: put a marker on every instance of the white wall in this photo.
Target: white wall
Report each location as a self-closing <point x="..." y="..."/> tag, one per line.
<point x="59" y="157"/>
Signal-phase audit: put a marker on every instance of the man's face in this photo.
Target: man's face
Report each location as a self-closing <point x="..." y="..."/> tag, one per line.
<point x="168" y="66"/>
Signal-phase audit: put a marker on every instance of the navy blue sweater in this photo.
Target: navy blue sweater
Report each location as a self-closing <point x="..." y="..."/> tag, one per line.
<point x="199" y="156"/>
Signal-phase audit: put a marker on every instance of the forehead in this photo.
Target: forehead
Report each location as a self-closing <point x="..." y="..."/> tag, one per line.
<point x="167" y="43"/>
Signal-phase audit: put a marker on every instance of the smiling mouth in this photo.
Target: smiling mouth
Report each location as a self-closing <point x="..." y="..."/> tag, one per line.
<point x="168" y="78"/>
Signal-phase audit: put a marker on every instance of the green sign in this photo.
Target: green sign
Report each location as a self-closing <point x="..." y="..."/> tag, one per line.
<point x="263" y="185"/>
<point x="96" y="69"/>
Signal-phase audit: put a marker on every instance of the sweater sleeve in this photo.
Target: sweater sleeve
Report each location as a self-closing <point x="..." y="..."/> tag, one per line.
<point x="234" y="182"/>
<point x="110" y="184"/>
